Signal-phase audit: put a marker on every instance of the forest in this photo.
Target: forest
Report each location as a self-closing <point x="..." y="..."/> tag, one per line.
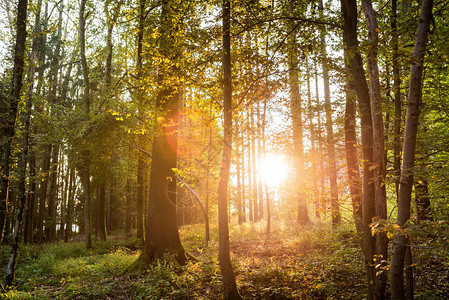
<point x="234" y="149"/>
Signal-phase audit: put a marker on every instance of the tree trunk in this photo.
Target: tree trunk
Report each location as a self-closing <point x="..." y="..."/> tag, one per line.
<point x="254" y="165"/>
<point x="19" y="53"/>
<point x="102" y="212"/>
<point x="50" y="221"/>
<point x="85" y="172"/>
<point x="378" y="149"/>
<point x="397" y="98"/>
<point x="161" y="235"/>
<point x="335" y="208"/>
<point x="72" y="186"/>
<point x="349" y="9"/>
<point x="411" y="129"/>
<point x="314" y="169"/>
<point x="7" y="128"/>
<point x="352" y="163"/>
<point x="296" y="111"/>
<point x="320" y="203"/>
<point x="43" y="187"/>
<point x="229" y="285"/>
<point x="30" y="212"/>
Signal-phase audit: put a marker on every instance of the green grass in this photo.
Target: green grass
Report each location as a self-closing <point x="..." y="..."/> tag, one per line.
<point x="312" y="262"/>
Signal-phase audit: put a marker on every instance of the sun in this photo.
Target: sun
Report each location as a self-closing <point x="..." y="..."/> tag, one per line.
<point x="273" y="169"/>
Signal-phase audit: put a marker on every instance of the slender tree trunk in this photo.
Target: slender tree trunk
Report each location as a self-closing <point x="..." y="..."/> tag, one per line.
<point x="19" y="53"/>
<point x="50" y="222"/>
<point x="242" y="163"/>
<point x="102" y="212"/>
<point x="29" y="220"/>
<point x="335" y="208"/>
<point x="320" y="202"/>
<point x="259" y="159"/>
<point x="314" y="169"/>
<point x="352" y="162"/>
<point x="250" y="177"/>
<point x="44" y="187"/>
<point x="239" y="172"/>
<point x="68" y="228"/>
<point x="229" y="285"/>
<point x="296" y="111"/>
<point x="349" y="9"/>
<point x="254" y="165"/>
<point x="85" y="172"/>
<point x="141" y="159"/>
<point x="397" y="97"/>
<point x="411" y="130"/>
<point x="378" y="148"/>
<point x="7" y="128"/>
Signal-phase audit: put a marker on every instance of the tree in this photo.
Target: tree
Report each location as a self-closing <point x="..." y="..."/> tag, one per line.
<point x="349" y="10"/>
<point x="11" y="106"/>
<point x="296" y="115"/>
<point x="332" y="169"/>
<point x="8" y="131"/>
<point x="414" y="103"/>
<point x="230" y="287"/>
<point x="84" y="169"/>
<point x="378" y="147"/>
<point x="161" y="235"/>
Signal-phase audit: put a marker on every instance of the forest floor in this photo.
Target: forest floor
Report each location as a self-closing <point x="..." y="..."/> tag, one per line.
<point x="313" y="262"/>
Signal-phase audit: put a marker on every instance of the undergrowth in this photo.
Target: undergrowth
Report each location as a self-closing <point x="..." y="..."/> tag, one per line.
<point x="312" y="262"/>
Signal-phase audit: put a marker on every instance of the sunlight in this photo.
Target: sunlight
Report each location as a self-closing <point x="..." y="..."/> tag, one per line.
<point x="273" y="169"/>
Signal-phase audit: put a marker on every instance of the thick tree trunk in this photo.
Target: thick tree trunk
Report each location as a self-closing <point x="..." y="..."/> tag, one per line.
<point x="8" y="127"/>
<point x="161" y="235"/>
<point x="349" y="9"/>
<point x="411" y="129"/>
<point x="229" y="285"/>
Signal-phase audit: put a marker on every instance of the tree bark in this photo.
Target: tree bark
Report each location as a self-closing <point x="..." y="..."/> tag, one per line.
<point x="85" y="172"/>
<point x="50" y="220"/>
<point x="378" y="148"/>
<point x="397" y="98"/>
<point x="161" y="235"/>
<point x="30" y="212"/>
<point x="68" y="228"/>
<point x="335" y="207"/>
<point x="409" y="147"/>
<point x="229" y="285"/>
<point x="297" y="126"/>
<point x="19" y="53"/>
<point x="352" y="163"/>
<point x="349" y="9"/>
<point x="7" y="129"/>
